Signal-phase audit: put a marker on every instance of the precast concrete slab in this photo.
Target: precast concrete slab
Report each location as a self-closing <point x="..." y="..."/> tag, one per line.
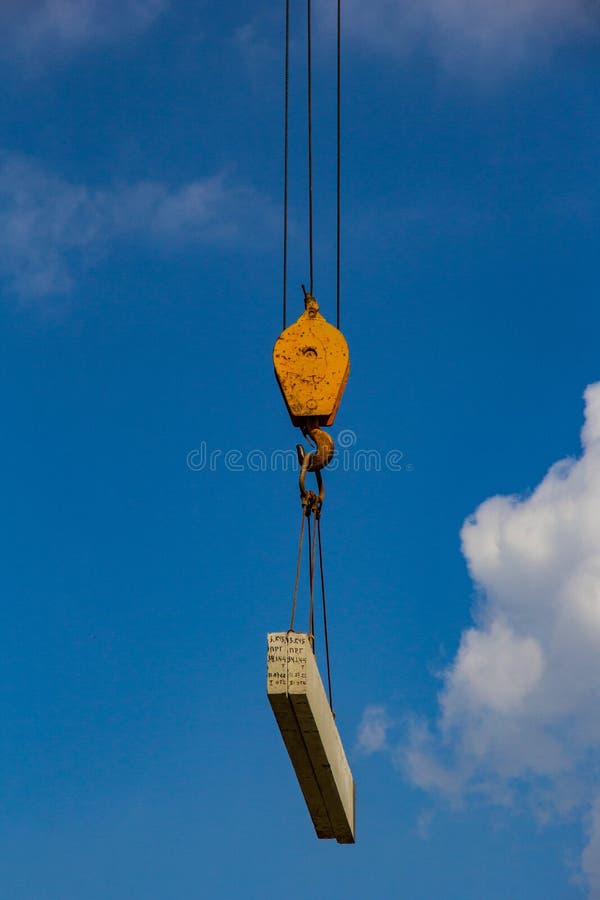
<point x="308" y="728"/>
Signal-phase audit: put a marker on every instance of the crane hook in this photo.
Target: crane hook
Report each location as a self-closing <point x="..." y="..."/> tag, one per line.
<point x="322" y="455"/>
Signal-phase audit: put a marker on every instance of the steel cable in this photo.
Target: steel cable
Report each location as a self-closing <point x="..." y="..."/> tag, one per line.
<point x="286" y="129"/>
<point x="310" y="142"/>
<point x="339" y="163"/>
<point x="298" y="561"/>
<point x="325" y="630"/>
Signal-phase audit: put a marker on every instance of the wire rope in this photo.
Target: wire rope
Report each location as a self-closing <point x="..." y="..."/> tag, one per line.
<point x="325" y="629"/>
<point x="298" y="561"/>
<point x="310" y="142"/>
<point x="286" y="144"/>
<point x="339" y="163"/>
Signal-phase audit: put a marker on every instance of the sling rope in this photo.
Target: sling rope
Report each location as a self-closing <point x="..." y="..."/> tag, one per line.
<point x="298" y="561"/>
<point x="325" y="630"/>
<point x="312" y="505"/>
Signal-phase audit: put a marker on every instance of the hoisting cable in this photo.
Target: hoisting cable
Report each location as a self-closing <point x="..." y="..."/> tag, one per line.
<point x="310" y="142"/>
<point x="311" y="360"/>
<point x="286" y="116"/>
<point x="310" y="156"/>
<point x="339" y="161"/>
<point x="302" y="407"/>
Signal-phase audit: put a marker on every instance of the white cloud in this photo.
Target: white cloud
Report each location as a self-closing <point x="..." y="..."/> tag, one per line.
<point x="519" y="704"/>
<point x="495" y="669"/>
<point x="469" y="33"/>
<point x="372" y="731"/>
<point x="254" y="46"/>
<point x="51" y="229"/>
<point x="423" y="825"/>
<point x="34" y="27"/>
<point x="418" y="758"/>
<point x="591" y="854"/>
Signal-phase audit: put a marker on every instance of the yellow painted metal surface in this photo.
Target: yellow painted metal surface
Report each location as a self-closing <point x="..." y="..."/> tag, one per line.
<point x="312" y="364"/>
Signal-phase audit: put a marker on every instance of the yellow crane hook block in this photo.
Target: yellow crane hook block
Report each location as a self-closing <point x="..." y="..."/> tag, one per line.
<point x="308" y="728"/>
<point x="312" y="364"/>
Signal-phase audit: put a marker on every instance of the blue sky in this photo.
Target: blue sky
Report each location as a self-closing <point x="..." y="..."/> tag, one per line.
<point x="140" y="285"/>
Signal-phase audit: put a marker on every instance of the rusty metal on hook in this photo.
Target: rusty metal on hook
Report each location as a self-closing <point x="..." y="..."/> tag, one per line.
<point x="311" y="501"/>
<point x="324" y="450"/>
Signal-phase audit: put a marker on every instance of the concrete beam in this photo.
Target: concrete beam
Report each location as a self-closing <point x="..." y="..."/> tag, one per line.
<point x="302" y="711"/>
